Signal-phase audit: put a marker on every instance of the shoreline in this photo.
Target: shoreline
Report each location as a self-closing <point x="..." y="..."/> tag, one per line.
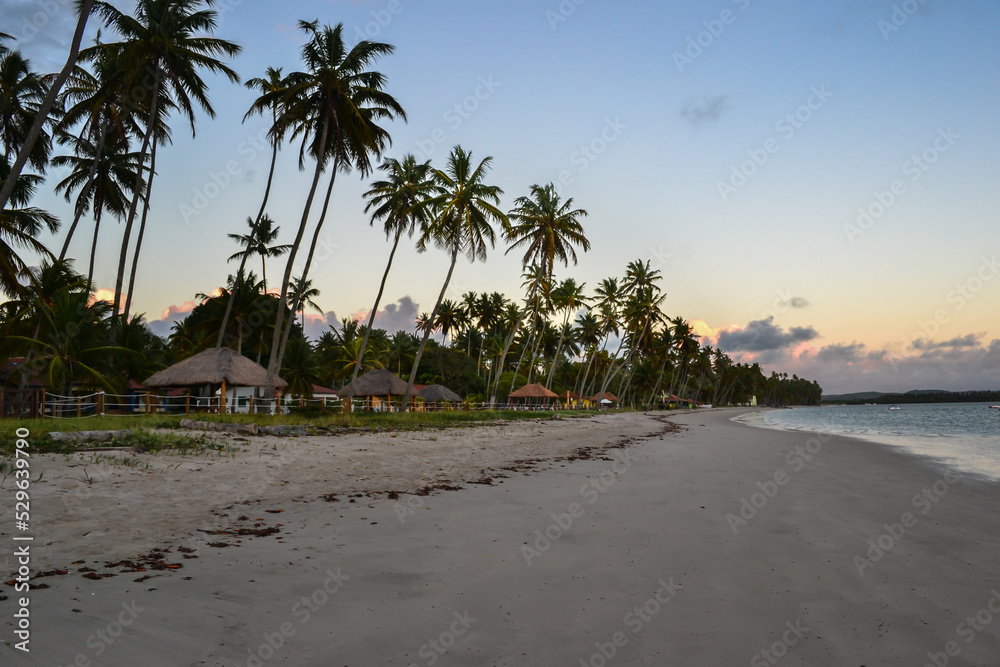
<point x="630" y="552"/>
<point x="922" y="446"/>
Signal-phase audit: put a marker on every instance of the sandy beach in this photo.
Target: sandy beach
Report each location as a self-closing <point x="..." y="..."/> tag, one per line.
<point x="713" y="544"/>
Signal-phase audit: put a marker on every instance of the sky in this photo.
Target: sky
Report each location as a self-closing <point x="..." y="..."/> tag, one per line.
<point x="815" y="181"/>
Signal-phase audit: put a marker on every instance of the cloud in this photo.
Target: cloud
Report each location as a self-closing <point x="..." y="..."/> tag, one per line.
<point x="764" y="336"/>
<point x="398" y="316"/>
<point x="317" y="325"/>
<point x="971" y="340"/>
<point x="709" y="111"/>
<point x="796" y="302"/>
<point x="843" y="368"/>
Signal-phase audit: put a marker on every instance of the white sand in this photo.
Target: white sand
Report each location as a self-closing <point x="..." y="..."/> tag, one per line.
<point x="463" y="578"/>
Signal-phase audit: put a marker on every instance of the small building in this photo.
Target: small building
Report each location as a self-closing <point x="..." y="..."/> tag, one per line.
<point x="437" y="393"/>
<point x="532" y="396"/>
<point x="377" y="387"/>
<point x="674" y="401"/>
<point x="220" y="379"/>
<point x="605" y="400"/>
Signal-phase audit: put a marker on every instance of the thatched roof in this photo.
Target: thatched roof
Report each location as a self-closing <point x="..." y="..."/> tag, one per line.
<point x="606" y="396"/>
<point x="436" y="393"/>
<point x="379" y="382"/>
<point x="533" y="391"/>
<point x="213" y="367"/>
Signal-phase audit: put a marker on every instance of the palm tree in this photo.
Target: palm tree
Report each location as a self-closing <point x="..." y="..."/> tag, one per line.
<point x="272" y="83"/>
<point x="589" y="336"/>
<point x="449" y="318"/>
<point x="399" y="201"/>
<point x="334" y="106"/>
<point x="21" y="94"/>
<point x="107" y="119"/>
<point x="258" y="242"/>
<point x="104" y="174"/>
<point x="300" y="295"/>
<point x="551" y="229"/>
<point x="79" y="353"/>
<point x="20" y="227"/>
<point x="465" y="211"/>
<point x="164" y="46"/>
<point x="27" y="149"/>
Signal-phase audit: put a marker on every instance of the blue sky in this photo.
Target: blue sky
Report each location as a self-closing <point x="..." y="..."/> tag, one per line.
<point x="731" y="143"/>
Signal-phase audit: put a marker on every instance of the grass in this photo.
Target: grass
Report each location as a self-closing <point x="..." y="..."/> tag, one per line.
<point x="145" y="439"/>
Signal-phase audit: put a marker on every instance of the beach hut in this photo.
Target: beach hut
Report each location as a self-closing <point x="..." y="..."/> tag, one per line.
<point x="674" y="401"/>
<point x="374" y="386"/>
<point x="533" y="394"/>
<point x="236" y="379"/>
<point x="574" y="400"/>
<point x="604" y="400"/>
<point x="437" y="393"/>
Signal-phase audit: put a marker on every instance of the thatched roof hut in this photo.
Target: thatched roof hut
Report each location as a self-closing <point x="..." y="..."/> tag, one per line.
<point x="606" y="396"/>
<point x="218" y="366"/>
<point x="436" y="393"/>
<point x="379" y="382"/>
<point x="533" y="391"/>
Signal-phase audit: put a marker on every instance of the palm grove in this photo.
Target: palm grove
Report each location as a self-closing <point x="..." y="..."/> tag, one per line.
<point x="115" y="105"/>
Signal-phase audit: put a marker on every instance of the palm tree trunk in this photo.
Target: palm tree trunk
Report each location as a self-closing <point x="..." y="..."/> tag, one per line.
<point x="528" y="344"/>
<point x="562" y="338"/>
<point x="272" y="364"/>
<point x="427" y="332"/>
<point x="142" y="232"/>
<point x="134" y="206"/>
<point x="72" y="228"/>
<point x="309" y="258"/>
<point x="506" y="349"/>
<point x="93" y="247"/>
<point x="243" y="260"/>
<point x="46" y="107"/>
<point x="378" y="299"/>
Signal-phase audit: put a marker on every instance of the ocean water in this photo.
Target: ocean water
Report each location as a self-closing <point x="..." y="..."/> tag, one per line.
<point x="963" y="435"/>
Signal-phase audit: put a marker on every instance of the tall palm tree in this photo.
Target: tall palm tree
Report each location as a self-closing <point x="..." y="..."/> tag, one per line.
<point x="334" y="106"/>
<point x="398" y="201"/>
<point x="97" y="104"/>
<point x="464" y="213"/>
<point x="20" y="226"/>
<point x="165" y="46"/>
<point x="27" y="149"/>
<point x="551" y="229"/>
<point x="259" y="242"/>
<point x="270" y="84"/>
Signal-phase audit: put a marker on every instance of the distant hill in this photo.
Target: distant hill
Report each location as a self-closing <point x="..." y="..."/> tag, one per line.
<point x="858" y="396"/>
<point x="914" y="396"/>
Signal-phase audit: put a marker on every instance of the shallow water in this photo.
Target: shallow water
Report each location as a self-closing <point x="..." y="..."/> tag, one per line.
<point x="963" y="435"/>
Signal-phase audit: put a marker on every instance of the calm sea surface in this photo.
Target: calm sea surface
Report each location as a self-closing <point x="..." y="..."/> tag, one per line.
<point x="964" y="435"/>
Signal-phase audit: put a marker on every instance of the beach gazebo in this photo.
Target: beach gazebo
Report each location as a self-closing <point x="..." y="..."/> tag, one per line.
<point x="604" y="400"/>
<point x="235" y="377"/>
<point x="533" y="394"/>
<point x="374" y="386"/>
<point x="437" y="393"/>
